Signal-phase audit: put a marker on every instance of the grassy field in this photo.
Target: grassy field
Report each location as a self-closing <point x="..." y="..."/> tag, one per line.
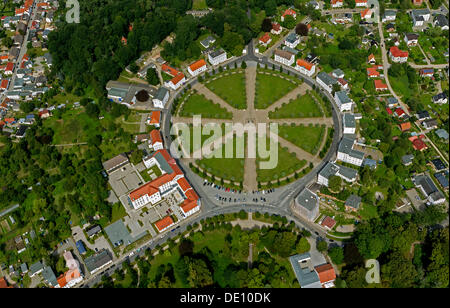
<point x="269" y="89"/>
<point x="230" y="88"/>
<point x="197" y="104"/>
<point x="302" y="107"/>
<point x="307" y="138"/>
<point x="401" y="86"/>
<point x="199" y="5"/>
<point x="287" y="164"/>
<point x="226" y="168"/>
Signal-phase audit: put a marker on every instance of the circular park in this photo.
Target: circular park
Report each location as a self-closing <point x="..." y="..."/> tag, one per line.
<point x="255" y="95"/>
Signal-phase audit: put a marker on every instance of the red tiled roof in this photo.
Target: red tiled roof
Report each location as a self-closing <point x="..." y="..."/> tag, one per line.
<point x="155" y="135"/>
<point x="184" y="184"/>
<point x="169" y="70"/>
<point x="399" y="111"/>
<point x="389" y="111"/>
<point x="360" y="1"/>
<point x="289" y="12"/>
<point x="336" y="1"/>
<point x="371" y="57"/>
<point x="328" y="222"/>
<point x="307" y="65"/>
<point x="155" y="117"/>
<point x="419" y="145"/>
<point x="9" y="66"/>
<point x="276" y="26"/>
<point x="188" y="205"/>
<point x="265" y="38"/>
<point x="405" y="126"/>
<point x="372" y="72"/>
<point x="396" y="52"/>
<point x="146" y="189"/>
<point x="164" y="223"/>
<point x="4" y="84"/>
<point x="366" y="12"/>
<point x="4" y="284"/>
<point x="197" y="65"/>
<point x="379" y="84"/>
<point x="41" y="113"/>
<point x="326" y="272"/>
<point x="9" y="120"/>
<point x="19" y="11"/>
<point x="175" y="80"/>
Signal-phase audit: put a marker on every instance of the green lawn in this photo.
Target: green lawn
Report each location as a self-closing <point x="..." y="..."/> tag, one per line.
<point x="401" y="86"/>
<point x="197" y="104"/>
<point x="118" y="211"/>
<point x="199" y="5"/>
<point x="226" y="168"/>
<point x="269" y="89"/>
<point x="231" y="88"/>
<point x="308" y="138"/>
<point x="287" y="164"/>
<point x="301" y="107"/>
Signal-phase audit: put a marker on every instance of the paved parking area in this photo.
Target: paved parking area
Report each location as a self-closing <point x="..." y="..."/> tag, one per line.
<point x="415" y="199"/>
<point x="124" y="180"/>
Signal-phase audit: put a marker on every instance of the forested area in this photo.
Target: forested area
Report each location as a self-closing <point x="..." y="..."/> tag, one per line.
<point x="217" y="257"/>
<point x="91" y="53"/>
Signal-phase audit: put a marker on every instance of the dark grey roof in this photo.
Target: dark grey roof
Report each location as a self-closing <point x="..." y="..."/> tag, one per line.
<point x="346" y="146"/>
<point x="347" y="172"/>
<point x="390" y="13"/>
<point x="291" y="38"/>
<point x="94" y="230"/>
<point x="343" y="97"/>
<point x="205" y="43"/>
<point x="49" y="276"/>
<point x="441" y="20"/>
<point x="442" y="178"/>
<point x="423" y="114"/>
<point x="95" y="261"/>
<point x="438" y="164"/>
<point x="349" y="120"/>
<point x="291" y="50"/>
<point x="412" y="36"/>
<point x="338" y="72"/>
<point x="406" y="159"/>
<point x="439" y="96"/>
<point x="304" y="271"/>
<point x="442" y="133"/>
<point x="353" y="201"/>
<point x="216" y="53"/>
<point x="329" y="170"/>
<point x="426" y="183"/>
<point x="307" y="199"/>
<point x="115" y="161"/>
<point x="431" y="122"/>
<point x="327" y="79"/>
<point x="161" y="93"/>
<point x="36" y="267"/>
<point x="392" y="100"/>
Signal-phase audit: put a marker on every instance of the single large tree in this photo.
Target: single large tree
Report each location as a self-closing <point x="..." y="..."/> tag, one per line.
<point x="266" y="25"/>
<point x="152" y="77"/>
<point x="301" y="29"/>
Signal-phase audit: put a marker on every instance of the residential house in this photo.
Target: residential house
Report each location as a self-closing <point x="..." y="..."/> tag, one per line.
<point x="304" y="271"/>
<point x="305" y="67"/>
<point x="292" y="40"/>
<point x="347" y="154"/>
<point x="417" y="143"/>
<point x="407" y="159"/>
<point x="366" y="14"/>
<point x="371" y="59"/>
<point x="397" y="55"/>
<point x="338" y="73"/>
<point x="290" y="12"/>
<point x="276" y="28"/>
<point x="98" y="261"/>
<point x="442" y="133"/>
<point x="437" y="164"/>
<point x="161" y="97"/>
<point x="430" y="124"/>
<point x="389" y="15"/>
<point x="411" y="39"/>
<point x="284" y="57"/>
<point x="332" y="169"/>
<point x="441" y="21"/>
<point x="372" y="72"/>
<point x="306" y="205"/>
<point x="426" y="72"/>
<point x="326" y="275"/>
<point x="328" y="223"/>
<point x="400" y="113"/>
<point x="49" y="277"/>
<point x="429" y="189"/>
<point x="208" y="41"/>
<point x="419" y="17"/>
<point x="353" y="203"/>
<point x="265" y="39"/>
<point x="423" y="115"/>
<point x="218" y="56"/>
<point x="326" y="81"/>
<point x="380" y="85"/>
<point x="115" y="163"/>
<point x="156" y="140"/>
<point x="35" y="269"/>
<point x="343" y="102"/>
<point x="154" y="118"/>
<point x="93" y="231"/>
<point x="197" y="67"/>
<point x="406" y="126"/>
<point x="417" y="2"/>
<point x="390" y="28"/>
<point x="442" y="178"/>
<point x="361" y="3"/>
<point x="337" y="3"/>
<point x="440" y="98"/>
<point x="9" y="68"/>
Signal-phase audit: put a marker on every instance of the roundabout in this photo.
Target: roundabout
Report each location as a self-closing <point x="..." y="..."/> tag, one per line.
<point x="257" y="95"/>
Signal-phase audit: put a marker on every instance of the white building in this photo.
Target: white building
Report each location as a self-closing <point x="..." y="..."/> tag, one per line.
<point x="216" y="57"/>
<point x="176" y="82"/>
<point x="332" y="169"/>
<point x="197" y="67"/>
<point x="347" y="154"/>
<point x="326" y="81"/>
<point x="337" y="3"/>
<point x="284" y="57"/>
<point x="292" y="40"/>
<point x="349" y="123"/>
<point x="305" y="67"/>
<point x="361" y="3"/>
<point x="343" y="101"/>
<point x="161" y="97"/>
